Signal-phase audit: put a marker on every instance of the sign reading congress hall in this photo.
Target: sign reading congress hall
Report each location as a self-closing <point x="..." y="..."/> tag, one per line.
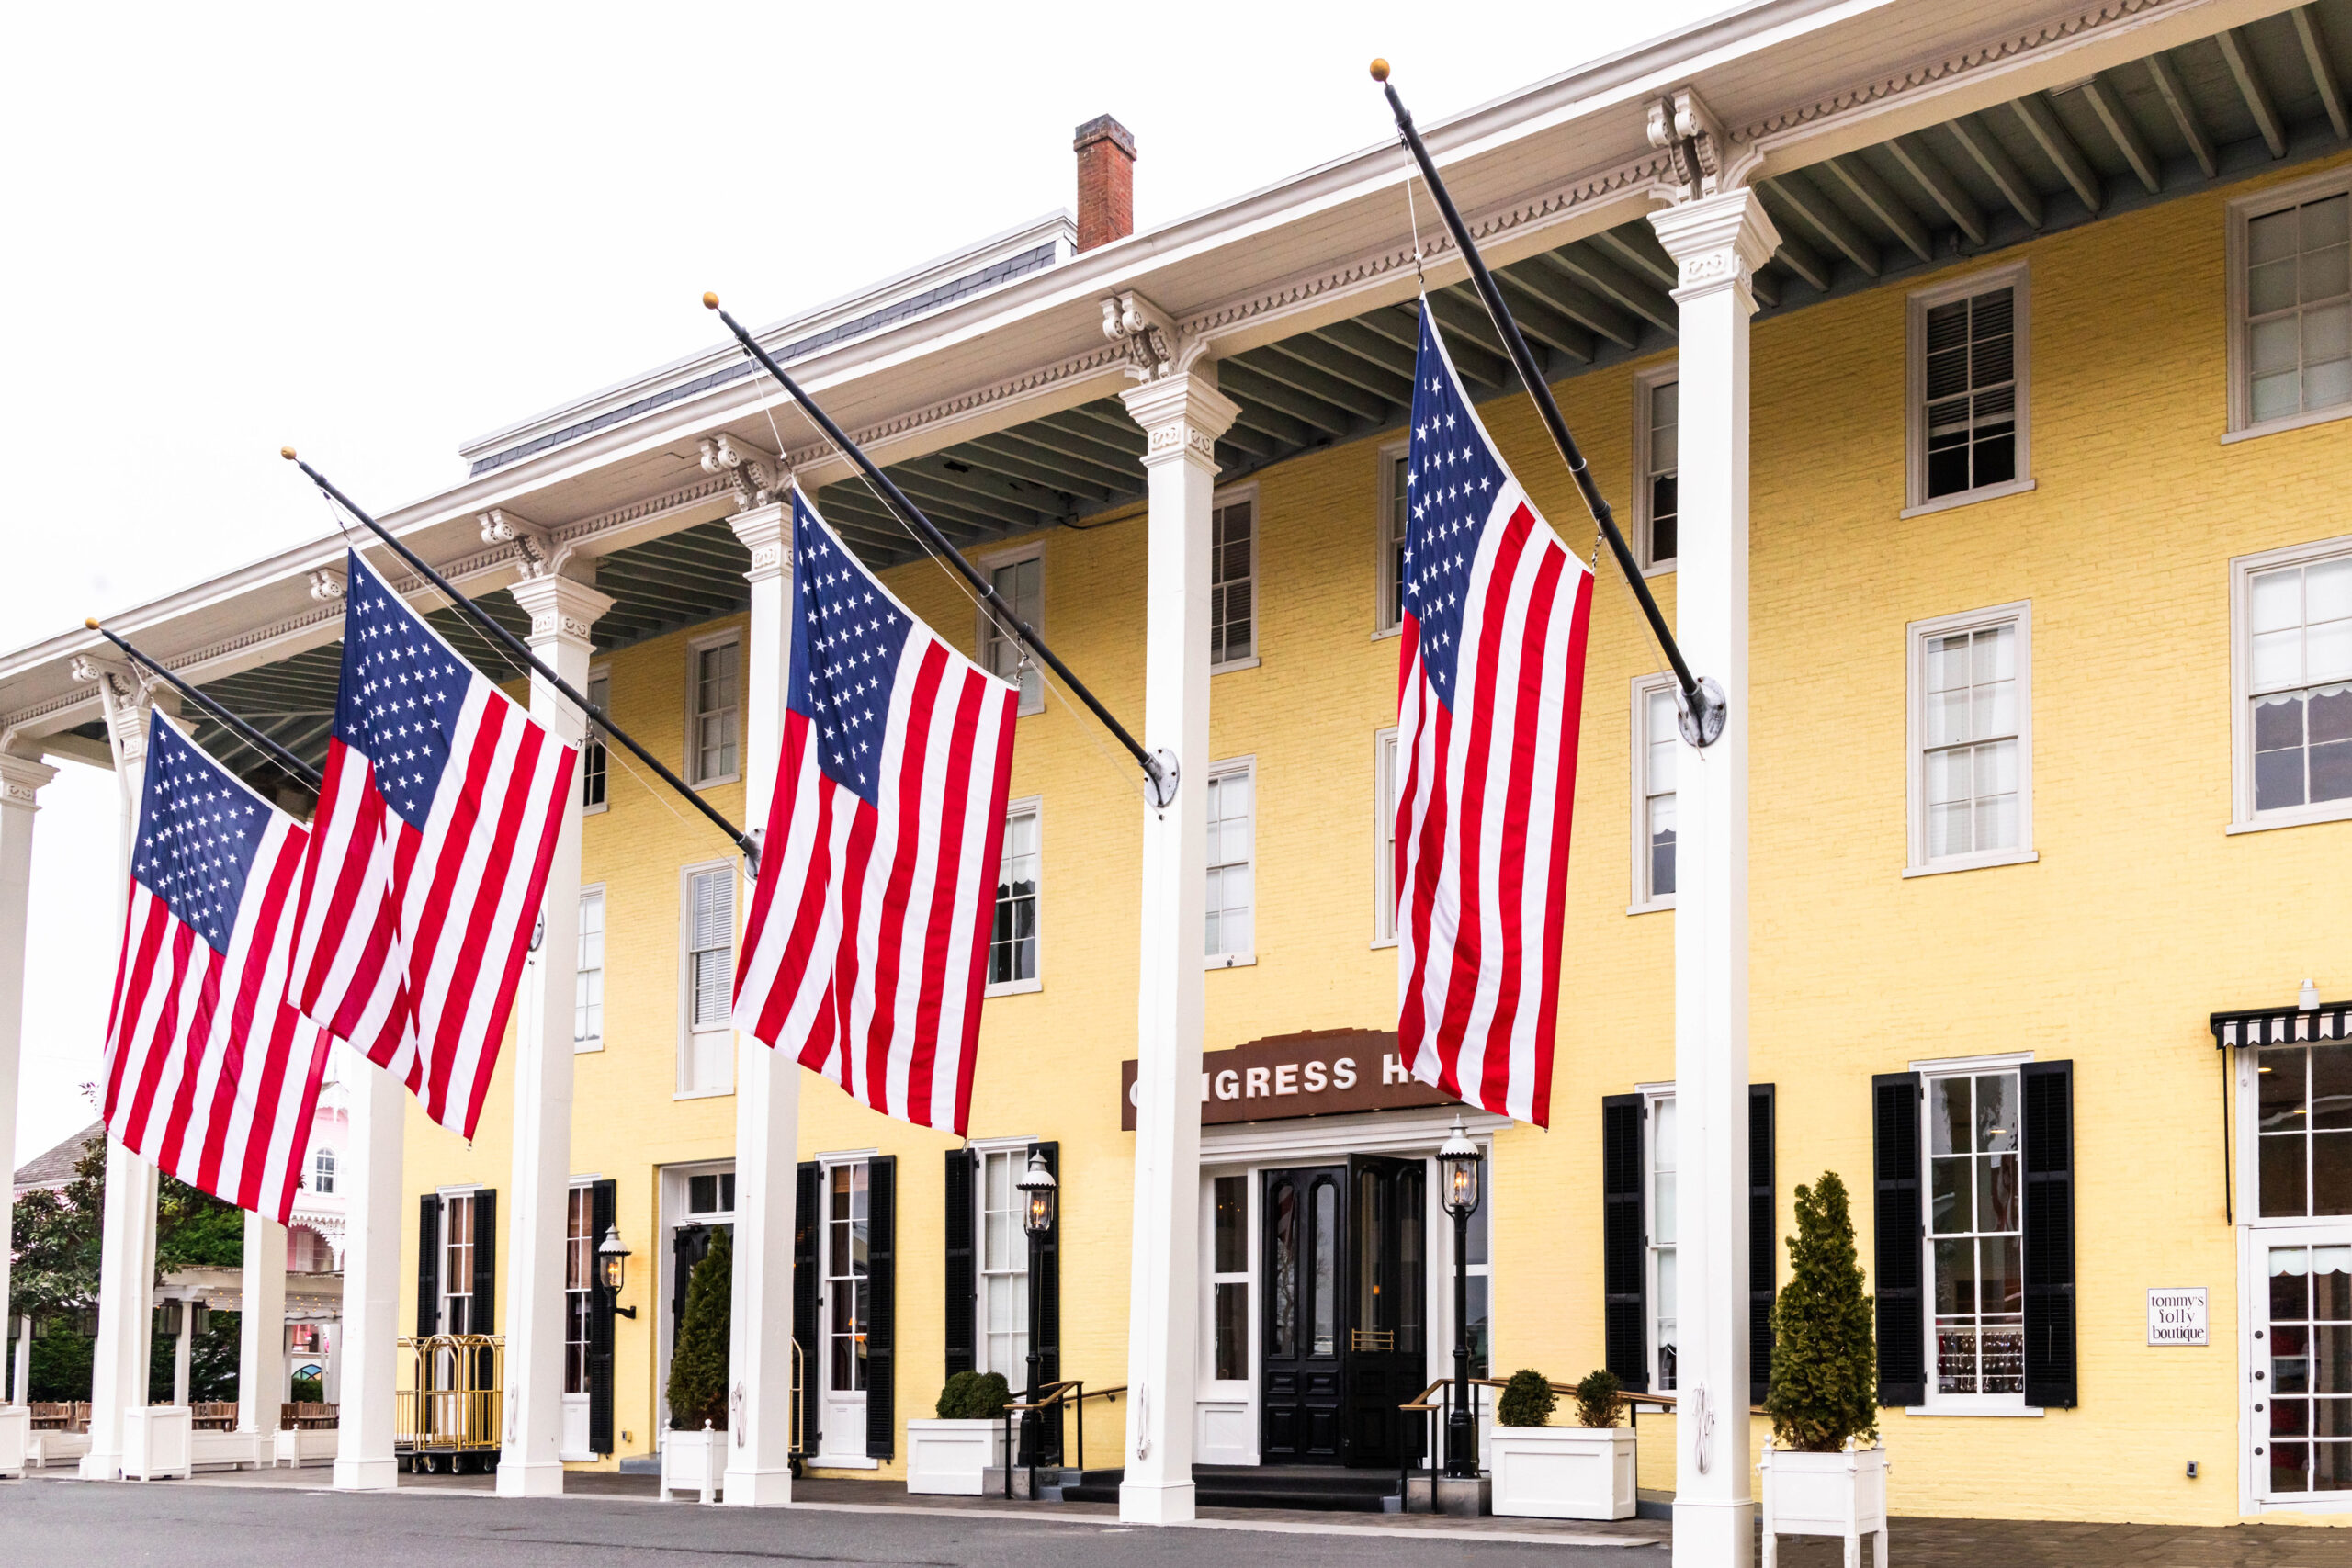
<point x="1322" y="1072"/>
<point x="2176" y="1316"/>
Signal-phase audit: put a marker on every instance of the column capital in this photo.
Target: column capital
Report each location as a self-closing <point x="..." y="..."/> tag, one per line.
<point x="562" y="609"/>
<point x="21" y="779"/>
<point x="1181" y="417"/>
<point x="765" y="531"/>
<point x="760" y="476"/>
<point x="1718" y="242"/>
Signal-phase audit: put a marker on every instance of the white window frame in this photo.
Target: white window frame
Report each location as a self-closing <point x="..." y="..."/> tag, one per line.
<point x="581" y="1186"/>
<point x="443" y="1294"/>
<point x="2018" y="278"/>
<point x="1235" y="496"/>
<point x="580" y="1046"/>
<point x="1232" y="767"/>
<point x="323" y="1172"/>
<point x="1392" y="454"/>
<point x="855" y="1457"/>
<point x="1921" y="633"/>
<point x="1642" y="900"/>
<point x="1387" y="762"/>
<point x="1654" y="1095"/>
<point x="598" y="672"/>
<point x="1016" y="1150"/>
<point x="696" y="649"/>
<point x="1211" y="1387"/>
<point x="2240" y="213"/>
<point x="2243" y="819"/>
<point x="1646" y="381"/>
<point x="984" y="626"/>
<point x="1034" y="806"/>
<point x="1994" y="1404"/>
<point x="689" y="1037"/>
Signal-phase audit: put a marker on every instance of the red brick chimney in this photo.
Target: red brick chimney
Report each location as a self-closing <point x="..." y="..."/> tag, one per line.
<point x="1106" y="182"/>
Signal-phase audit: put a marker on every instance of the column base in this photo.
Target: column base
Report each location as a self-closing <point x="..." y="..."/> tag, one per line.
<point x="95" y="1466"/>
<point x="1143" y="1504"/>
<point x="518" y="1478"/>
<point x="1714" y="1534"/>
<point x="367" y="1475"/>
<point x="749" y="1488"/>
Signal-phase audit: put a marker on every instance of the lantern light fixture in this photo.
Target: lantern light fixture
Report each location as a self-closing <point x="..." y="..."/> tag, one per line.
<point x="1039" y="1193"/>
<point x="1460" y="1158"/>
<point x="612" y="1260"/>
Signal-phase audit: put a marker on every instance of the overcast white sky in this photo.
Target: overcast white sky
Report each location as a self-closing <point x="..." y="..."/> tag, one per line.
<point x="374" y="233"/>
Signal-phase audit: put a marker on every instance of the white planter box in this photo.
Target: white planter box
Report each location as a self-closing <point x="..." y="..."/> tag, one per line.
<point x="16" y="1428"/>
<point x="693" y="1461"/>
<point x="235" y="1450"/>
<point x="1839" y="1494"/>
<point x="155" y="1442"/>
<point x="1563" y="1473"/>
<point x="298" y="1445"/>
<point x="949" y="1458"/>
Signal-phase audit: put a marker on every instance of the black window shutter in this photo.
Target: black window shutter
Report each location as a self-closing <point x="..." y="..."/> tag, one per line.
<point x="806" y="1217"/>
<point x="882" y="1264"/>
<point x="1763" y="1249"/>
<point x="2050" y="1234"/>
<point x="963" y="1278"/>
<point x="484" y="1310"/>
<point x="1623" y="1237"/>
<point x="602" y="1211"/>
<point x="1047" y="1259"/>
<point x="1898" y="1231"/>
<point x="428" y="1265"/>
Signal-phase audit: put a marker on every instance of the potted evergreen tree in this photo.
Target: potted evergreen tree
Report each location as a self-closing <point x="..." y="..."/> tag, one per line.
<point x="1824" y="1468"/>
<point x="694" y="1452"/>
<point x="951" y="1453"/>
<point x="1543" y="1472"/>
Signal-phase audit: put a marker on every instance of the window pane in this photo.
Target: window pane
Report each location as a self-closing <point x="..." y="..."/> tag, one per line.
<point x="1285" y="1269"/>
<point x="1948" y="1116"/>
<point x="1323" y="1290"/>
<point x="1233" y="1330"/>
<point x="2331" y="1173"/>
<point x="2283" y="1189"/>
<point x="1232" y="1224"/>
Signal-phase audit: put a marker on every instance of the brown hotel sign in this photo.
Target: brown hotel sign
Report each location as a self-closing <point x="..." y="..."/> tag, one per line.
<point x="1321" y="1072"/>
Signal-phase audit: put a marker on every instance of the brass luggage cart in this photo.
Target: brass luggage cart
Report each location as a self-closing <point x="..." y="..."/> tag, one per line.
<point x="445" y="1419"/>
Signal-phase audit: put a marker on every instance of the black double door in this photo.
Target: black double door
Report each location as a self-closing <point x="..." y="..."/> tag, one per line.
<point x="1344" y="1270"/>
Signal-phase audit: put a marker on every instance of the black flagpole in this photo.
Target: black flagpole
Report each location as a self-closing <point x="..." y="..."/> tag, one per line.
<point x="749" y="843"/>
<point x="1703" y="701"/>
<point x="1159" y="769"/>
<point x="300" y="771"/>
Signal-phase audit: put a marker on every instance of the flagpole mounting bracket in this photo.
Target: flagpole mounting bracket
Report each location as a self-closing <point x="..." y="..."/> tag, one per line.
<point x="755" y="841"/>
<point x="1701" y="716"/>
<point x="1160" y="781"/>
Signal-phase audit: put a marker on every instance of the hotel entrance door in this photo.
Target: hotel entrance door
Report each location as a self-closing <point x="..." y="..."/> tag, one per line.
<point x="1345" y="1282"/>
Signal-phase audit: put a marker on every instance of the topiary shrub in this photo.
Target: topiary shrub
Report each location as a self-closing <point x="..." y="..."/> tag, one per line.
<point x="698" y="1366"/>
<point x="974" y="1396"/>
<point x="1597" y="1398"/>
<point x="1824" y="1360"/>
<point x="1527" y="1400"/>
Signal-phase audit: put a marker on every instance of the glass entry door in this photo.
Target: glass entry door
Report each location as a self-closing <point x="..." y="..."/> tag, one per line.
<point x="1385" y="1358"/>
<point x="1299" y="1382"/>
<point x="2302" y="1369"/>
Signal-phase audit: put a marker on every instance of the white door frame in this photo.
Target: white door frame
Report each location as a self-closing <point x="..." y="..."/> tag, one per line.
<point x="830" y="1434"/>
<point x="675" y="1212"/>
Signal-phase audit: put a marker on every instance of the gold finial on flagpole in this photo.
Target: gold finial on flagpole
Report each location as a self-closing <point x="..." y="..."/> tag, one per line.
<point x="287" y="453"/>
<point x="709" y="301"/>
<point x="91" y="622"/>
<point x="1379" y="69"/>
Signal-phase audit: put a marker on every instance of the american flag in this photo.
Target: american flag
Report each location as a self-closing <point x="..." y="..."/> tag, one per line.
<point x="209" y="1073"/>
<point x="428" y="855"/>
<point x="1490" y="685"/>
<point x="877" y="875"/>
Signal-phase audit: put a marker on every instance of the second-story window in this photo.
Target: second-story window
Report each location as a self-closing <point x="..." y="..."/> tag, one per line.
<point x="1232" y="850"/>
<point x="1658" y="454"/>
<point x="705" y="1054"/>
<point x="588" y="985"/>
<point x="593" y="760"/>
<point x="713" y="712"/>
<point x="1396" y="515"/>
<point x="1233" y="581"/>
<point x="322" y="1172"/>
<point x="1970" y="407"/>
<point x="2299" y="685"/>
<point x="1386" y="761"/>
<point x="2295" y="332"/>
<point x="1019" y="580"/>
<point x="1657" y="751"/>
<point x="1972" y="787"/>
<point x="1012" y="944"/>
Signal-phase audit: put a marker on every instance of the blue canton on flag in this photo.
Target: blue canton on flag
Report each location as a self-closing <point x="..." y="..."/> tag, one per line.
<point x="198" y="832"/>
<point x="1452" y="480"/>
<point x="846" y="656"/>
<point x="401" y="714"/>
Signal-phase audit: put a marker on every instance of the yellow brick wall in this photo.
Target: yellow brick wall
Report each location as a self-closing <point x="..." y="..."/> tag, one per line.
<point x="2140" y="916"/>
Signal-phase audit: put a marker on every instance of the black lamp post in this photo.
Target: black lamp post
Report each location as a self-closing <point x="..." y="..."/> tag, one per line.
<point x="1459" y="1156"/>
<point x="1038" y="1191"/>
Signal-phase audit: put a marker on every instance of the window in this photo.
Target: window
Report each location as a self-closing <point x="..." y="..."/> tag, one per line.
<point x="847" y="1276"/>
<point x="1657" y="455"/>
<point x="588" y="985"/>
<point x="1013" y="946"/>
<point x="1659" y="1176"/>
<point x="1972" y="740"/>
<point x="710" y="1193"/>
<point x="1229" y="1280"/>
<point x="2305" y="1131"/>
<point x="1233" y="582"/>
<point x="322" y="1172"/>
<point x="1387" y="782"/>
<point x="1970" y="406"/>
<point x="2292" y="662"/>
<point x="2311" y="1367"/>
<point x="593" y="757"/>
<point x="579" y="1276"/>
<point x="1655" y="752"/>
<point x="1232" y="874"/>
<point x="712" y="713"/>
<point x="1395" y="520"/>
<point x="1004" y="1267"/>
<point x="457" y="1265"/>
<point x="1019" y="580"/>
<point x="1975" y="1236"/>
<point x="2291" y="296"/>
<point x="705" y="1054"/>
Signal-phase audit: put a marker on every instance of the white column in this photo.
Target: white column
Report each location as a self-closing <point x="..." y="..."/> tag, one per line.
<point x="182" y="1353"/>
<point x="562" y="612"/>
<point x="1183" y="413"/>
<point x="261" y="1332"/>
<point x="118" y="1363"/>
<point x="20" y="782"/>
<point x="372" y="1274"/>
<point x="20" y="1391"/>
<point x="1718" y="242"/>
<point x="767" y="1085"/>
